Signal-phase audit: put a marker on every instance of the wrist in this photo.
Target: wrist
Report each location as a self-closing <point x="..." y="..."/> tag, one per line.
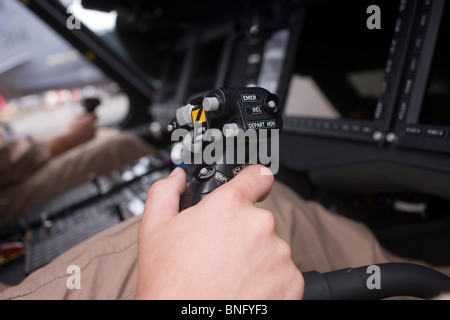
<point x="60" y="144"/>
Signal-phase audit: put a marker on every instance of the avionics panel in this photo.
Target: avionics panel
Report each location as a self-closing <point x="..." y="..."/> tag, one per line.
<point x="196" y="64"/>
<point x="208" y="61"/>
<point x="252" y="49"/>
<point x="423" y="117"/>
<point x="262" y="47"/>
<point x="347" y="71"/>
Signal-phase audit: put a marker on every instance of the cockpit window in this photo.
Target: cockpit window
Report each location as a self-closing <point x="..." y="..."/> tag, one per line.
<point x="43" y="78"/>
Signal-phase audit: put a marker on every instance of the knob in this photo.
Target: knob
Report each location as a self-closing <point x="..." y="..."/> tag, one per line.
<point x="211" y="104"/>
<point x="271" y="104"/>
<point x="230" y="130"/>
<point x="184" y="116"/>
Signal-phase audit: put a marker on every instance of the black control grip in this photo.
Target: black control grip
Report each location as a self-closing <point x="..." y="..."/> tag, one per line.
<point x="205" y="180"/>
<point x="187" y="201"/>
<point x="396" y="280"/>
<point x="244" y="117"/>
<point x="90" y="104"/>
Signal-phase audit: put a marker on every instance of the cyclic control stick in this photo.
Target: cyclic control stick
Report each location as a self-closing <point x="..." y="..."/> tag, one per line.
<point x="239" y="120"/>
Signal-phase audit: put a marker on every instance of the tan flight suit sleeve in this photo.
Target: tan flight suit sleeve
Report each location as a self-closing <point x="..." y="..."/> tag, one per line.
<point x="20" y="158"/>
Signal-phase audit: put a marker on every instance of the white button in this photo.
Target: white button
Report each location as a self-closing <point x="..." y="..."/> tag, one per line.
<point x="230" y="130"/>
<point x="271" y="104"/>
<point x="211" y="104"/>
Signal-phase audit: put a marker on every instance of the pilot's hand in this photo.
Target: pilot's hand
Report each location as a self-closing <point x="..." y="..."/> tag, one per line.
<point x="81" y="129"/>
<point x="222" y="248"/>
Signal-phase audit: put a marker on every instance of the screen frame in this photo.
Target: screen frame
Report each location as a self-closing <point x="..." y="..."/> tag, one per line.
<point x="365" y="130"/>
<point x="407" y="131"/>
<point x="163" y="107"/>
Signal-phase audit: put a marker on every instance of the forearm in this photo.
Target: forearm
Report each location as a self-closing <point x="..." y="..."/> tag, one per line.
<point x="80" y="130"/>
<point x="60" y="144"/>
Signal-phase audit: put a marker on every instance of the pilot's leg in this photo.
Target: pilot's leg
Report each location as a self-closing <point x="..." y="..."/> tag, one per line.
<point x="320" y="240"/>
<point x="107" y="269"/>
<point x="110" y="149"/>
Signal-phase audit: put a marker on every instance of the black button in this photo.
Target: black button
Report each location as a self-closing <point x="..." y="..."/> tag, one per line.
<point x="402" y="111"/>
<point x="394" y="45"/>
<point x="423" y="20"/>
<point x="403" y="5"/>
<point x="413" y="131"/>
<point x="408" y="87"/>
<point x="254" y="110"/>
<point x="205" y="173"/>
<point x="413" y="64"/>
<point x="367" y="129"/>
<point x="418" y="43"/>
<point x="301" y="122"/>
<point x="384" y="87"/>
<point x="220" y="177"/>
<point x="398" y="25"/>
<point x="379" y="110"/>
<point x="389" y="66"/>
<point x="435" y="133"/>
<point x="271" y="103"/>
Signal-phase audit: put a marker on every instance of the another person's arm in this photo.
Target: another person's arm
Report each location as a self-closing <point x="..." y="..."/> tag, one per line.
<point x="81" y="129"/>
<point x="22" y="157"/>
<point x="222" y="248"/>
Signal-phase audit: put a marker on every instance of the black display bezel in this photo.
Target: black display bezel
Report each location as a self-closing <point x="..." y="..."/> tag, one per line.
<point x="367" y="131"/>
<point x="408" y="131"/>
<point x="164" y="105"/>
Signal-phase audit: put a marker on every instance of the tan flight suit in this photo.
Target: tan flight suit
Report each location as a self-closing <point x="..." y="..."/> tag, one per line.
<point x="320" y="240"/>
<point x="28" y="175"/>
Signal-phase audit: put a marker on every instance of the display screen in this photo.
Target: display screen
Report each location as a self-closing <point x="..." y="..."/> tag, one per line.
<point x="436" y="103"/>
<point x="341" y="59"/>
<point x="206" y="66"/>
<point x="172" y="76"/>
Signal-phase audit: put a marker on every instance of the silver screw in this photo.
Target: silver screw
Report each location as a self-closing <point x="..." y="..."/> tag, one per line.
<point x="391" y="137"/>
<point x="378" y="136"/>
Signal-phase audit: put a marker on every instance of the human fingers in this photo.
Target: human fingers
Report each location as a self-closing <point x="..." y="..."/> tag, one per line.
<point x="163" y="199"/>
<point x="253" y="183"/>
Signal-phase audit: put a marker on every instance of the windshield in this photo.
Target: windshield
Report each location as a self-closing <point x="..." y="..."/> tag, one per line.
<point x="43" y="78"/>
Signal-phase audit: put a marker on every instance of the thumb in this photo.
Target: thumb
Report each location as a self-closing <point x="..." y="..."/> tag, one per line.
<point x="163" y="200"/>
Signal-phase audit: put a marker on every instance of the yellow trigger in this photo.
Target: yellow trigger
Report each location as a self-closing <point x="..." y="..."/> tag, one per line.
<point x="199" y="116"/>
